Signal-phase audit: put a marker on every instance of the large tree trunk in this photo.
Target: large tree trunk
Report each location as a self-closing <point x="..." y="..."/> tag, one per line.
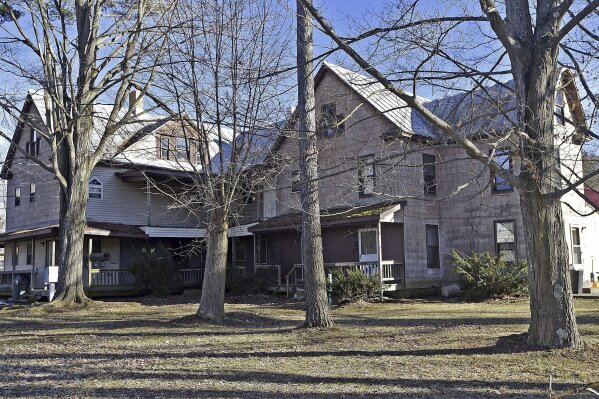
<point x="317" y="308"/>
<point x="553" y="323"/>
<point x="212" y="302"/>
<point x="71" y="238"/>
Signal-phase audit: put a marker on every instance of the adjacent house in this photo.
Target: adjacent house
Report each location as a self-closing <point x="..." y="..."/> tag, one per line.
<point x="396" y="196"/>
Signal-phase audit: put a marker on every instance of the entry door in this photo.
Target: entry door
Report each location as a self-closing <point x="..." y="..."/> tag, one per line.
<point x="368" y="245"/>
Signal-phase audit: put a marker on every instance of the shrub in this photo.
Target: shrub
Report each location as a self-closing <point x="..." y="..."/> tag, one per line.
<point x="353" y="286"/>
<point x="247" y="284"/>
<point x="154" y="271"/>
<point x="488" y="276"/>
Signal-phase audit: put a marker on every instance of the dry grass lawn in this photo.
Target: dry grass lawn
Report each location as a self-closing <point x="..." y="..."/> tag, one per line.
<point x="408" y="349"/>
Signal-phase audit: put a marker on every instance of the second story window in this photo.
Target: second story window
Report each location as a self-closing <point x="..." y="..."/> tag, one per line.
<point x="560" y="109"/>
<point x="15" y="254"/>
<point x="503" y="158"/>
<point x="296" y="187"/>
<point x="17" y="196"/>
<point x="429" y="174"/>
<point x="181" y="145"/>
<point x="32" y="192"/>
<point x="164" y="147"/>
<point x="366" y="176"/>
<point x="96" y="189"/>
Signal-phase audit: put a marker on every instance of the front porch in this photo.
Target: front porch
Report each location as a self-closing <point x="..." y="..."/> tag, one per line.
<point x="369" y="239"/>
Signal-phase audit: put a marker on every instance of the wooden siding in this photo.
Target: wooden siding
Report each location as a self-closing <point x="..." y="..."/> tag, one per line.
<point x="392" y="241"/>
<point x="340" y="244"/>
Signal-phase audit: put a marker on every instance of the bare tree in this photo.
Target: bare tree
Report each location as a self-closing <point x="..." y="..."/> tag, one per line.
<point x="317" y="309"/>
<point x="530" y="36"/>
<point x="222" y="77"/>
<point x="80" y="54"/>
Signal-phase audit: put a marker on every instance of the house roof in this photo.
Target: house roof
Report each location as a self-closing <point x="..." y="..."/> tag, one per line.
<point x="332" y="216"/>
<point x="591" y="195"/>
<point x="484" y="111"/>
<point x="388" y="104"/>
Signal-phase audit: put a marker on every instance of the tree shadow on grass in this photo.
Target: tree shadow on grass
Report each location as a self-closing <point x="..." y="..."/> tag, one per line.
<point x="258" y="384"/>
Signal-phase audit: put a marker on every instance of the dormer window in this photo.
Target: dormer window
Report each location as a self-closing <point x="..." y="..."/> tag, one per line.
<point x="331" y="123"/>
<point x="95" y="189"/>
<point x="164" y="147"/>
<point x="181" y="147"/>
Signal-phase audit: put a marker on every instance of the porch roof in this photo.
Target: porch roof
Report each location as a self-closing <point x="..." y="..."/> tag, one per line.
<point x="380" y="211"/>
<point x="93" y="228"/>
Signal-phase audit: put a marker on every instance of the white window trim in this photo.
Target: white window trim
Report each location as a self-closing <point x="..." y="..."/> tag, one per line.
<point x="575" y="226"/>
<point x="374" y="256"/>
<point x="99" y="183"/>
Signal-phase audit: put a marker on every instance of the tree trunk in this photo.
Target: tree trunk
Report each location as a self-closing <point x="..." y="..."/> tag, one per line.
<point x="212" y="302"/>
<point x="71" y="238"/>
<point x="317" y="308"/>
<point x="553" y="323"/>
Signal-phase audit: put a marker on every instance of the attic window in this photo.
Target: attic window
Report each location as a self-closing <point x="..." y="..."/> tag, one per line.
<point x="392" y="133"/>
<point x="95" y="189"/>
<point x="331" y="123"/>
<point x="32" y="147"/>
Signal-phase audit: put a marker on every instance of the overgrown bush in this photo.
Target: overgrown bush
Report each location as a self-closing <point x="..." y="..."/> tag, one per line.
<point x="154" y="271"/>
<point x="486" y="275"/>
<point x="247" y="283"/>
<point x="353" y="286"/>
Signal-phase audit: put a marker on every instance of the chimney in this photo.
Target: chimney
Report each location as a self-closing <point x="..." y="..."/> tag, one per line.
<point x="136" y="101"/>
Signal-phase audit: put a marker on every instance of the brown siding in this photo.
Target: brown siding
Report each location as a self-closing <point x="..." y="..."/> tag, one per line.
<point x="392" y="241"/>
<point x="340" y="244"/>
<point x="285" y="248"/>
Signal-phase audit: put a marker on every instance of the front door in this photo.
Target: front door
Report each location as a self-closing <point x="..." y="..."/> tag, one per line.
<point x="368" y="245"/>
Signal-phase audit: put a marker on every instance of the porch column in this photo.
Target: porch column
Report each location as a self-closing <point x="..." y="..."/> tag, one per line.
<point x="89" y="262"/>
<point x="379" y="249"/>
<point x="52" y="253"/>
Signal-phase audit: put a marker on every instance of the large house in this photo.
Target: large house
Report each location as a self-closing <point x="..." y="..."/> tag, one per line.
<point x="396" y="197"/>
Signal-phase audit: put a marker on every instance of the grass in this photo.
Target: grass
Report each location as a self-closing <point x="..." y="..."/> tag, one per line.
<point x="409" y="349"/>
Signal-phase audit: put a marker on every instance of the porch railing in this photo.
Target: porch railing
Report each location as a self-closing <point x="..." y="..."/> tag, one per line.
<point x="112" y="278"/>
<point x="191" y="277"/>
<point x="390" y="271"/>
<point x="6" y="278"/>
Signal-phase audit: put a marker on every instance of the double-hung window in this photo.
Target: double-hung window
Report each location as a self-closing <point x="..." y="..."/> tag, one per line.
<point x="505" y="239"/>
<point x="17" y="196"/>
<point x="576" y="246"/>
<point x="164" y="147"/>
<point x="432" y="246"/>
<point x="366" y="175"/>
<point x="295" y="182"/>
<point x="32" y="192"/>
<point x="181" y="147"/>
<point x="429" y="174"/>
